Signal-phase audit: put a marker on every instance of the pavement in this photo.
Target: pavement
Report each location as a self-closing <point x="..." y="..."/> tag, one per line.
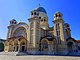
<point x="40" y="57"/>
<point x="12" y="56"/>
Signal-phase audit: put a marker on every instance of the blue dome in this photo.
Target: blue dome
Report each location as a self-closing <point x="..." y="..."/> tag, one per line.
<point x="41" y="9"/>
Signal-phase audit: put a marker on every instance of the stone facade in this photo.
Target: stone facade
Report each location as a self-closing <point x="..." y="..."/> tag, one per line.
<point x="38" y="37"/>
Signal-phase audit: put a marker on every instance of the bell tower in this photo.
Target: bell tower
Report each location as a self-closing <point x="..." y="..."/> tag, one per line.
<point x="59" y="32"/>
<point x="34" y="30"/>
<point x="13" y="22"/>
<point x="42" y="14"/>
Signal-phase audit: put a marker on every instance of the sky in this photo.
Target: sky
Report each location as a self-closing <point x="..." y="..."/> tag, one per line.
<point x="20" y="10"/>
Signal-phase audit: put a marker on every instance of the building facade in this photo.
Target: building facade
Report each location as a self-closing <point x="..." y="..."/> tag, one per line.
<point x="38" y="37"/>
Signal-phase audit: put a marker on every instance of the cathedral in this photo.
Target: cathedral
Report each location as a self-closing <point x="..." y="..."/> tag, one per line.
<point x="37" y="37"/>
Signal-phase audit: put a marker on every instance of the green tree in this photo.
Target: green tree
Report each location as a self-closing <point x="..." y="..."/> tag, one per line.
<point x="1" y="46"/>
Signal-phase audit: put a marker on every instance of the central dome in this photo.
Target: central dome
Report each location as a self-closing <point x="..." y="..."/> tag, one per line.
<point x="41" y="9"/>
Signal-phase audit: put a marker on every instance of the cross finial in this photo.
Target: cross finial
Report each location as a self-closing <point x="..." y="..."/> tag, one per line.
<point x="39" y="5"/>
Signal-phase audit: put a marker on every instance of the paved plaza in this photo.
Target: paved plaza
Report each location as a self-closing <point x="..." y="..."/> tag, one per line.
<point x="43" y="57"/>
<point x="12" y="56"/>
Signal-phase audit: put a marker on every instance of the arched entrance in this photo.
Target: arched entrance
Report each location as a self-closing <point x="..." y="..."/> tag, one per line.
<point x="44" y="45"/>
<point x="23" y="47"/>
<point x="54" y="45"/>
<point x="23" y="44"/>
<point x="48" y="45"/>
<point x="20" y="33"/>
<point x="16" y="45"/>
<point x="70" y="47"/>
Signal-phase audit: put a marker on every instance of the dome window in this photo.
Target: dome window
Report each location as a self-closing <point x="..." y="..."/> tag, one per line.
<point x="34" y="13"/>
<point x="15" y="22"/>
<point x="12" y="22"/>
<point x="44" y="20"/>
<point x="39" y="17"/>
<point x="41" y="20"/>
<point x="58" y="24"/>
<point x="59" y="15"/>
<point x="67" y="25"/>
<point x="31" y="13"/>
<point x="38" y="14"/>
<point x="56" y="15"/>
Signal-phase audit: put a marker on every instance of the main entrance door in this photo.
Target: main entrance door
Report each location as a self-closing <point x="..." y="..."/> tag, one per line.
<point x="70" y="47"/>
<point x="23" y="45"/>
<point x="23" y="48"/>
<point x="17" y="48"/>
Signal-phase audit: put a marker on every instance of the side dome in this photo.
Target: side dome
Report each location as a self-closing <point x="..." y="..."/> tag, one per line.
<point x="13" y="21"/>
<point x="41" y="9"/>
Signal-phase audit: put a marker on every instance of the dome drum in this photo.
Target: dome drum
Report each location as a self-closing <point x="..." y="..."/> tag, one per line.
<point x="34" y="13"/>
<point x="58" y="15"/>
<point x="13" y="21"/>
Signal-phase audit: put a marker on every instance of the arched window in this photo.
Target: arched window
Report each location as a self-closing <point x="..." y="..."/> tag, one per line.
<point x="15" y="22"/>
<point x="23" y="43"/>
<point x="45" y="46"/>
<point x="31" y="13"/>
<point x="41" y="20"/>
<point x="57" y="33"/>
<point x="56" y="15"/>
<point x="59" y="15"/>
<point x="58" y="24"/>
<point x="21" y="31"/>
<point x="39" y="17"/>
<point x="59" y="40"/>
<point x="34" y="13"/>
<point x="67" y="32"/>
<point x="12" y="22"/>
<point x="44" y="20"/>
<point x="57" y="27"/>
<point x="38" y="14"/>
<point x="67" y="25"/>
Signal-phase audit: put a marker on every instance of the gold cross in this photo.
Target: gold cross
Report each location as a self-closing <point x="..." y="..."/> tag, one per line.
<point x="39" y="5"/>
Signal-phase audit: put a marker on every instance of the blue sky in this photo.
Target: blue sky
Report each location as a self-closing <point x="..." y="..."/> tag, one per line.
<point x="20" y="10"/>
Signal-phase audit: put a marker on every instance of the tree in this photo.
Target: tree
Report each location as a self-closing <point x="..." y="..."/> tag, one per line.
<point x="1" y="46"/>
